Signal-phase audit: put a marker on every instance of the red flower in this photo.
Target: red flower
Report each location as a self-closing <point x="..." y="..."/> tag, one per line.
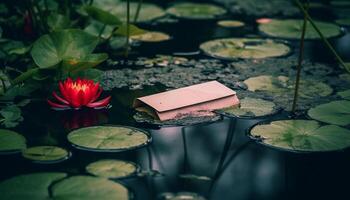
<point x="79" y="93"/>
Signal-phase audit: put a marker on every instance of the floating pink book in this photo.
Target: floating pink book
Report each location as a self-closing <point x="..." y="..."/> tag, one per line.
<point x="185" y="101"/>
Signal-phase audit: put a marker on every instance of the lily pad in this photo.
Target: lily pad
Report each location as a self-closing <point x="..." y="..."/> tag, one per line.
<point x="151" y="36"/>
<point x="335" y="112"/>
<point x="196" y="10"/>
<point x="282" y="84"/>
<point x="230" y="23"/>
<point x="11" y="141"/>
<point x="108" y="138"/>
<point x="46" y="154"/>
<point x="302" y="136"/>
<point x="181" y="196"/>
<point x="29" y="186"/>
<point x="112" y="168"/>
<point x="291" y="29"/>
<point x="86" y="187"/>
<point x="251" y="107"/>
<point x="345" y="94"/>
<point x="57" y="186"/>
<point x="102" y="16"/>
<point x="233" y="48"/>
<point x="343" y="22"/>
<point x="148" y="11"/>
<point x="95" y="27"/>
<point x="71" y="46"/>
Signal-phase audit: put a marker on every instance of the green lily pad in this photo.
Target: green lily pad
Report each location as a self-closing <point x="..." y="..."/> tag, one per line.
<point x="345" y="94"/>
<point x="148" y="11"/>
<point x="112" y="168"/>
<point x="230" y="23"/>
<point x="57" y="186"/>
<point x="335" y="112"/>
<point x="102" y="16"/>
<point x="29" y="186"/>
<point x="85" y="187"/>
<point x="46" y="154"/>
<point x="233" y="48"/>
<point x="108" y="138"/>
<point x="95" y="27"/>
<point x="11" y="141"/>
<point x="151" y="36"/>
<point x="196" y="10"/>
<point x="343" y="22"/>
<point x="65" y="45"/>
<point x="291" y="29"/>
<point x="281" y="84"/>
<point x="251" y="107"/>
<point x="302" y="136"/>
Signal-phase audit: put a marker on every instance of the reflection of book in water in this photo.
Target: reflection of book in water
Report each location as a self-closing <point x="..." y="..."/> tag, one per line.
<point x="196" y="100"/>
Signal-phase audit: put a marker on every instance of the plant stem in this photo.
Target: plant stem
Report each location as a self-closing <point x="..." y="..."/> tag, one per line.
<point x="300" y="61"/>
<point x="139" y="5"/>
<point x="306" y="14"/>
<point x="127" y="28"/>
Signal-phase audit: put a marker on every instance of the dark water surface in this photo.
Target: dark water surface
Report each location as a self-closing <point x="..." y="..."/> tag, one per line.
<point x="233" y="166"/>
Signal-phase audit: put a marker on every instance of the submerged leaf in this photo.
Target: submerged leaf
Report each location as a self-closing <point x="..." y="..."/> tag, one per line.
<point x="345" y="94"/>
<point x="196" y="10"/>
<point x="12" y="116"/>
<point x="302" y="135"/>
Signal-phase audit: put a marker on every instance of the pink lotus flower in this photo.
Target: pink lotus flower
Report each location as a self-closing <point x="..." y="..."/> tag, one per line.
<point x="79" y="93"/>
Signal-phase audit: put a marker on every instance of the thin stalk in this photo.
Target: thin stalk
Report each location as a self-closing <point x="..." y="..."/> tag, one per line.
<point x="338" y="58"/>
<point x="41" y="17"/>
<point x="300" y="61"/>
<point x="138" y="9"/>
<point x="127" y="28"/>
<point x="33" y="16"/>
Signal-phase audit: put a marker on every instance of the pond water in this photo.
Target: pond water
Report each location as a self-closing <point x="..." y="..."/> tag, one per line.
<point x="216" y="160"/>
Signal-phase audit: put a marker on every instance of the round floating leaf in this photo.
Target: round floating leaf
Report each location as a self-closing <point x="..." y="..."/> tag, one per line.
<point x="343" y="22"/>
<point x="281" y="84"/>
<point x="151" y="37"/>
<point x="335" y="112"/>
<point x="108" y="138"/>
<point x="102" y="16"/>
<point x="345" y="94"/>
<point x="112" y="168"/>
<point x="49" y="50"/>
<point x="251" y="107"/>
<point x="29" y="186"/>
<point x="302" y="135"/>
<point x="292" y="28"/>
<point x="195" y="10"/>
<point x="45" y="154"/>
<point x="85" y="187"/>
<point x="95" y="27"/>
<point x="11" y="141"/>
<point x="233" y="48"/>
<point x="230" y="23"/>
<point x="148" y="11"/>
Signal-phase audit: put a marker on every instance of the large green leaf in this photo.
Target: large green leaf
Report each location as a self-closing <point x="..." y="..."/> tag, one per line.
<point x="345" y="94"/>
<point x="45" y="153"/>
<point x="335" y="112"/>
<point x="29" y="186"/>
<point x="96" y="28"/>
<point x="58" y="22"/>
<point x="251" y="107"/>
<point x="50" y="50"/>
<point x="111" y="168"/>
<point x="102" y="16"/>
<point x="291" y="29"/>
<point x="302" y="135"/>
<point x="196" y="10"/>
<point x="89" y="188"/>
<point x="108" y="138"/>
<point x="11" y="141"/>
<point x="234" y="48"/>
<point x="79" y="64"/>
